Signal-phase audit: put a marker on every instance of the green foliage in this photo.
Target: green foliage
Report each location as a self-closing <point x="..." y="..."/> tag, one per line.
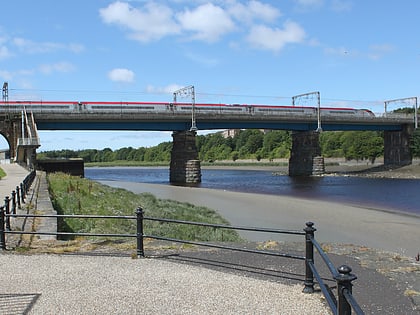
<point x="75" y="195"/>
<point x="2" y="173"/>
<point x="353" y="145"/>
<point x="415" y="143"/>
<point x="246" y="144"/>
<point x="404" y="110"/>
<point x="159" y="153"/>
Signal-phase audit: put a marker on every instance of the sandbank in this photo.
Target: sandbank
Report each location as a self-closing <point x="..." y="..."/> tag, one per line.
<point x="335" y="222"/>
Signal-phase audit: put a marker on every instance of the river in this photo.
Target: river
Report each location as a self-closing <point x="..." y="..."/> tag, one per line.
<point x="400" y="195"/>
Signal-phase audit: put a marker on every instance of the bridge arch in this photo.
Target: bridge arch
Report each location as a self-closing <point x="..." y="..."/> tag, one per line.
<point x="5" y="145"/>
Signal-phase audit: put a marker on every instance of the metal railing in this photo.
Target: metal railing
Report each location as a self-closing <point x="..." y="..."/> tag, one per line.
<point x="28" y="142"/>
<point x="17" y="197"/>
<point x="343" y="304"/>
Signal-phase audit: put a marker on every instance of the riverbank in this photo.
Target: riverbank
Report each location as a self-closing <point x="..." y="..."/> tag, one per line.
<point x="333" y="167"/>
<point x="335" y="222"/>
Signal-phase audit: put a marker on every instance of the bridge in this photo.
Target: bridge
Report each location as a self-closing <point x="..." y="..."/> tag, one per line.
<point x="21" y="120"/>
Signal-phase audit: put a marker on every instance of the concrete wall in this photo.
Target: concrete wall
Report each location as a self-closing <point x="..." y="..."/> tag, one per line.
<point x="74" y="167"/>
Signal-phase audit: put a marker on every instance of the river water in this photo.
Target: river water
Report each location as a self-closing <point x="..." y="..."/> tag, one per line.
<point x="400" y="195"/>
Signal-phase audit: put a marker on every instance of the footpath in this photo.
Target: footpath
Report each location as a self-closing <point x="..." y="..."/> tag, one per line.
<point x="387" y="283"/>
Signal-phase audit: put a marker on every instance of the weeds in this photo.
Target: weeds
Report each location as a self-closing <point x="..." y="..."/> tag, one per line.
<point x="75" y="195"/>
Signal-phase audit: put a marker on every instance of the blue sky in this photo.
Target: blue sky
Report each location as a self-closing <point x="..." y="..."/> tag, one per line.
<point x="355" y="53"/>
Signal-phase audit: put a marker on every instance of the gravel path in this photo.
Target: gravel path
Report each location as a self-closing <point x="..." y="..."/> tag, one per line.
<point x="71" y="284"/>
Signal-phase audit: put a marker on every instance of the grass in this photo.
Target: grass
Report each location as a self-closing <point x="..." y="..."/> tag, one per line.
<point x="75" y="195"/>
<point x="2" y="173"/>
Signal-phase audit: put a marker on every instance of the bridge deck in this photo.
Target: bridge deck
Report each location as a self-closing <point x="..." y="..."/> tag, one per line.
<point x="182" y="121"/>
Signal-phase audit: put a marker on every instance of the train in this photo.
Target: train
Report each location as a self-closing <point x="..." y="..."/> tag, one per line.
<point x="168" y="108"/>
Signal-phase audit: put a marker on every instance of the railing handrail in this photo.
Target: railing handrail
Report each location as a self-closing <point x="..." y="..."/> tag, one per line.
<point x="224" y="226"/>
<point x="343" y="276"/>
<point x="324" y="257"/>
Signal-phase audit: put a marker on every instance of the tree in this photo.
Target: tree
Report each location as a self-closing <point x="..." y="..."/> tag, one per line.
<point x="415" y="143"/>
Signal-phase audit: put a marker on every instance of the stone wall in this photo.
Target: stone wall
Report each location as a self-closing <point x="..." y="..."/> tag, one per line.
<point x="185" y="166"/>
<point x="397" y="146"/>
<point x="70" y="166"/>
<point x="305" y="149"/>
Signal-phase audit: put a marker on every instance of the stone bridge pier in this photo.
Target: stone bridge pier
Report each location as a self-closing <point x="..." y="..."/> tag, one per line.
<point x="397" y="146"/>
<point x="11" y="130"/>
<point x="305" y="156"/>
<point x="185" y="167"/>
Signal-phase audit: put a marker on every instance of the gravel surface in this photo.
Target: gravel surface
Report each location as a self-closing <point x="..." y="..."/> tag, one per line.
<point x="72" y="284"/>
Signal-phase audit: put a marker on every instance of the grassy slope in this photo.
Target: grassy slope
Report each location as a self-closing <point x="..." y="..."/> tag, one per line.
<point x="75" y="195"/>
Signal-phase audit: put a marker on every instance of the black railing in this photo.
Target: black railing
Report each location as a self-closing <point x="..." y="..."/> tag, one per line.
<point x="343" y="304"/>
<point x="18" y="196"/>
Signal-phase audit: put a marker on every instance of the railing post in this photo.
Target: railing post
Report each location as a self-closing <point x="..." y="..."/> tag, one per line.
<point x="344" y="279"/>
<point x="7" y="208"/>
<point x="18" y="197"/>
<point x="140" y="246"/>
<point x="309" y="257"/>
<point x="2" y="232"/>
<point x="22" y="192"/>
<point x="13" y="202"/>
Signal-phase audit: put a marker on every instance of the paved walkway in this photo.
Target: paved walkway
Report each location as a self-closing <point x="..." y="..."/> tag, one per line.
<point x="15" y="175"/>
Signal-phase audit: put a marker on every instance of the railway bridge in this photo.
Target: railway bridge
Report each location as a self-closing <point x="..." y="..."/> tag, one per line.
<point x="21" y="120"/>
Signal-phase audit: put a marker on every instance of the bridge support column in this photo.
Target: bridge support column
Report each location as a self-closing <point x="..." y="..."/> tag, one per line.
<point x="397" y="146"/>
<point x="305" y="157"/>
<point x="185" y="166"/>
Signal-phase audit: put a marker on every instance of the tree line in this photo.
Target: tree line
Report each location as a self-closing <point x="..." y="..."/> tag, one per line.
<point x="246" y="144"/>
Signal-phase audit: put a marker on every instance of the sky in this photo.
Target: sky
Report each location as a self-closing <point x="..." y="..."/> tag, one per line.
<point x="356" y="53"/>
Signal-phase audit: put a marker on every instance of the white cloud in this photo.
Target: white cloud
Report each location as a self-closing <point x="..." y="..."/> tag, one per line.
<point x="266" y="38"/>
<point x="202" y="60"/>
<point x="121" y="75"/>
<point x="378" y="51"/>
<point x="253" y="10"/>
<point x="208" y="22"/>
<point x="6" y="75"/>
<point x="169" y="89"/>
<point x="341" y="5"/>
<point x="62" y="67"/>
<point x="334" y="5"/>
<point x="152" y="23"/>
<point x="341" y="51"/>
<point x="374" y="52"/>
<point x="29" y="46"/>
<point x="4" y="52"/>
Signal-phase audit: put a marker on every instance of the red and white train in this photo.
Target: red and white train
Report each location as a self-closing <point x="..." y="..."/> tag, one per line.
<point x="158" y="107"/>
